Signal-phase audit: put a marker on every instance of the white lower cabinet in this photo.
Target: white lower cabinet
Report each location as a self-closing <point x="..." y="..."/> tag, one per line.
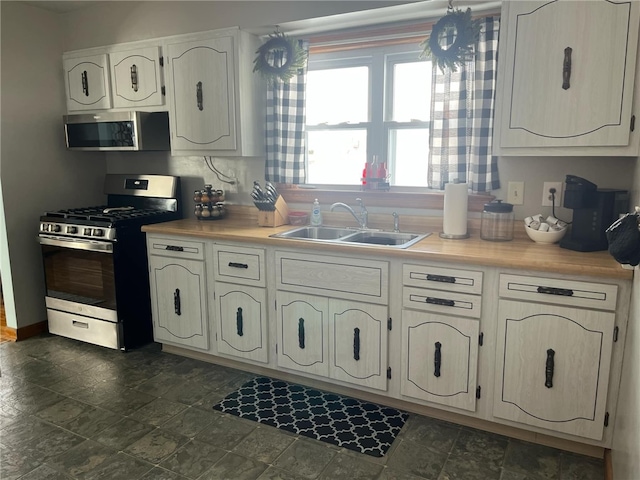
<point x="178" y="293"/>
<point x="439" y="359"/>
<point x="339" y="339"/>
<point x="242" y="321"/>
<point x="303" y="332"/>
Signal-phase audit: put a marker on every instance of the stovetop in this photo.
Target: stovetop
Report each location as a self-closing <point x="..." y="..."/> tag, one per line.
<point x="94" y="223"/>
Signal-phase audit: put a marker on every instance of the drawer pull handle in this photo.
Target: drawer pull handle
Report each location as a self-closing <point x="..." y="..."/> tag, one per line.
<point x="549" y="369"/>
<point x="356" y="344"/>
<point x="301" y="333"/>
<point x="199" y="96"/>
<point x="85" y="83"/>
<point x="440" y="301"/>
<point x="437" y="360"/>
<point x="174" y="248"/>
<point x="238" y="265"/>
<point x="441" y="278"/>
<point x="75" y="323"/>
<point x="566" y="69"/>
<point x="556" y="291"/>
<point x="176" y="302"/>
<point x="239" y="322"/>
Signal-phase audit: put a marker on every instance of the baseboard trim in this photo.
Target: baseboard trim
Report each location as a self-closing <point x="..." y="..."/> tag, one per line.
<point x="608" y="465"/>
<point x="22" y="333"/>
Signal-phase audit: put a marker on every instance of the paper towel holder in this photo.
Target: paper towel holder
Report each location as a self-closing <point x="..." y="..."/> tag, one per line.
<point x="451" y="236"/>
<point x="454" y="227"/>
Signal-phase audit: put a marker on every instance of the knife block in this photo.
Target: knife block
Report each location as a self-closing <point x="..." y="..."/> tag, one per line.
<point x="274" y="218"/>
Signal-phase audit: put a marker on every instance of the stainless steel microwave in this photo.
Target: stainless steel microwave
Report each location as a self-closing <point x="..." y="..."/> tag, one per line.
<point x="117" y="131"/>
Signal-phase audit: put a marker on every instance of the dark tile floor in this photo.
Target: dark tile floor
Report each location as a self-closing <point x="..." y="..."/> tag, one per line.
<point x="70" y="410"/>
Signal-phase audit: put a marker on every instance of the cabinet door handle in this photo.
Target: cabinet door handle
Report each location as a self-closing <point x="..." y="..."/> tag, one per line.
<point x="441" y="278"/>
<point x="174" y="248"/>
<point x="556" y="291"/>
<point x="134" y="77"/>
<point x="356" y="344"/>
<point x="238" y="265"/>
<point x="239" y="322"/>
<point x="437" y="360"/>
<point x="440" y="301"/>
<point x="176" y="302"/>
<point x="566" y="69"/>
<point x="301" y="333"/>
<point x="199" y="96"/>
<point x="85" y="83"/>
<point x="548" y="371"/>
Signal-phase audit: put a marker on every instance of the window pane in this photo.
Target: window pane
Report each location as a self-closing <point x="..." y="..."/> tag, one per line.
<point x="411" y="91"/>
<point x="336" y="156"/>
<point x="408" y="156"/>
<point x="338" y="95"/>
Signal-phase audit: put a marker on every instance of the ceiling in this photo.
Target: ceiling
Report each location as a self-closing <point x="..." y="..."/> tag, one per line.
<point x="60" y="6"/>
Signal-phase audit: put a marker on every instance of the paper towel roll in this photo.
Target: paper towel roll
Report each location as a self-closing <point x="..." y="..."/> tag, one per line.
<point x="456" y="197"/>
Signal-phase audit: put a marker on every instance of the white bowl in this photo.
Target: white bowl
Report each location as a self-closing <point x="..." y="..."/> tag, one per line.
<point x="552" y="236"/>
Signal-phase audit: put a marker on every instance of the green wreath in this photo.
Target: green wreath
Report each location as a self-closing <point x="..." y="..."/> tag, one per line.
<point x="295" y="58"/>
<point x="466" y="31"/>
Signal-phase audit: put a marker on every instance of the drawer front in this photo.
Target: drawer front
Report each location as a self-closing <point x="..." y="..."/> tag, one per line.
<point x="449" y="279"/>
<point x="239" y="265"/>
<point x="337" y="277"/>
<point x="457" y="304"/>
<point x="559" y="292"/>
<point x="175" y="247"/>
<point x="85" y="329"/>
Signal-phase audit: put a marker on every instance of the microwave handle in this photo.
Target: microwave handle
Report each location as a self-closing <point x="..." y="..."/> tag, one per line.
<point x="76" y="244"/>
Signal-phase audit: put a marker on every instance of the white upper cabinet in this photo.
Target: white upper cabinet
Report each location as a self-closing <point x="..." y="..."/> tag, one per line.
<point x="137" y="77"/>
<point x="560" y="87"/>
<point x="86" y="81"/>
<point x="215" y="107"/>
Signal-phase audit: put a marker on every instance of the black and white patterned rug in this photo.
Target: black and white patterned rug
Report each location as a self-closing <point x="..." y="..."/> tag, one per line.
<point x="347" y="422"/>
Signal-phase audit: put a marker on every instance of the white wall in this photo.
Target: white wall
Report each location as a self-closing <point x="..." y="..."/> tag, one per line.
<point x="36" y="172"/>
<point x="626" y="441"/>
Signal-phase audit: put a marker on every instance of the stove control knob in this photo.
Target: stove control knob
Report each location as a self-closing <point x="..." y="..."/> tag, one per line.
<point x="98" y="232"/>
<point x="86" y="231"/>
<point x="72" y="229"/>
<point x="55" y="228"/>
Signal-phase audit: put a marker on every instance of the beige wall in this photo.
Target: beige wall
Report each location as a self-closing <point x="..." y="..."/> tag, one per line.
<point x="626" y="443"/>
<point x="36" y="172"/>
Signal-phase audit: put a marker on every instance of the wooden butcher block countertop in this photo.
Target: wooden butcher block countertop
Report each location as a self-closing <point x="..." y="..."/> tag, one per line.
<point x="520" y="253"/>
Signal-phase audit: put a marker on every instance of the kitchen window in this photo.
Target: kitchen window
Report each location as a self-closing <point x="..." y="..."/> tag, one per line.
<point x="368" y="103"/>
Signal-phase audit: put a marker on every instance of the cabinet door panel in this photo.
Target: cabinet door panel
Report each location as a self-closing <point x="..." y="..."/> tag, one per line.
<point x="87" y="83"/>
<point x="553" y="367"/>
<point x="302" y="333"/>
<point x="358" y="342"/>
<point x="178" y="301"/>
<point x="440" y="358"/>
<point x="242" y="321"/>
<point x="591" y="105"/>
<point x="203" y="94"/>
<point x="136" y="78"/>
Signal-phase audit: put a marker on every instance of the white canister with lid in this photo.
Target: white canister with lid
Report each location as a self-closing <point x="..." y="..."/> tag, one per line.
<point x="497" y="222"/>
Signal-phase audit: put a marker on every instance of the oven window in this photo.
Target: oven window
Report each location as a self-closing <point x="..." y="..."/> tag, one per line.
<point x="80" y="276"/>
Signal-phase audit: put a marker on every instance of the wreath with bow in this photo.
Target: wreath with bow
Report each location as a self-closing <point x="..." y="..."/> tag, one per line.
<point x="280" y="57"/>
<point x="457" y="24"/>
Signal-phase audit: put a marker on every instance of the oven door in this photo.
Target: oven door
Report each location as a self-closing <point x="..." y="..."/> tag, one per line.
<point x="79" y="276"/>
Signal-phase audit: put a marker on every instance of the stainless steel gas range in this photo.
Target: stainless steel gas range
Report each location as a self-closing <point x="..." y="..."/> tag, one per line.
<point x="95" y="261"/>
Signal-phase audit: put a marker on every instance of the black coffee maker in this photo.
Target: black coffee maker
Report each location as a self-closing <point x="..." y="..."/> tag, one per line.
<point x="594" y="209"/>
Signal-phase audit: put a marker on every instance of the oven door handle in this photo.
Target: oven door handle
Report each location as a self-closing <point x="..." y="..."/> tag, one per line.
<point x="77" y="244"/>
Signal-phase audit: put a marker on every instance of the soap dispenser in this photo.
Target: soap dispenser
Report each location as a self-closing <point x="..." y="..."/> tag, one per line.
<point x="316" y="216"/>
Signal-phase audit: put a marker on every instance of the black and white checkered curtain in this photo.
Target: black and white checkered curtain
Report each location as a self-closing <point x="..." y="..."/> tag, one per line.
<point x="462" y="118"/>
<point x="285" y="129"/>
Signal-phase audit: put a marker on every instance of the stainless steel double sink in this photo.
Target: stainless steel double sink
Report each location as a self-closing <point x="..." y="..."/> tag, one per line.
<point x="353" y="236"/>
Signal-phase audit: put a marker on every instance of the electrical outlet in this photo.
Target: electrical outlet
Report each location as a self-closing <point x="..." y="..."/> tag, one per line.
<point x="515" y="195"/>
<point x="232" y="187"/>
<point x="546" y="196"/>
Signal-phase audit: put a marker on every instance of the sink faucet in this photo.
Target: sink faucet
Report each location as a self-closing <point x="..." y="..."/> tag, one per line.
<point x="362" y="219"/>
<point x="396" y="222"/>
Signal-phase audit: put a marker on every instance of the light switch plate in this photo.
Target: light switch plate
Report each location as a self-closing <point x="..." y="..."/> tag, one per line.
<point x="515" y="195"/>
